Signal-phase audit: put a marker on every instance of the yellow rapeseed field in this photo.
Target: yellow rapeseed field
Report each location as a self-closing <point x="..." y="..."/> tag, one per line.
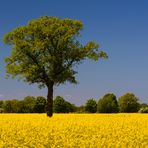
<point x="74" y="130"/>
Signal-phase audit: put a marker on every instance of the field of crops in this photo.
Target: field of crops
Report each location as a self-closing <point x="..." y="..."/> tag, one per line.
<point x="74" y="130"/>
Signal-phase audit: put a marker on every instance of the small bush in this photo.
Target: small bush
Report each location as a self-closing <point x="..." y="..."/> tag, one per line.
<point x="143" y="110"/>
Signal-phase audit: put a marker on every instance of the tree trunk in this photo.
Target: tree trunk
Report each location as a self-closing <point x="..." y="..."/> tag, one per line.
<point x="49" y="108"/>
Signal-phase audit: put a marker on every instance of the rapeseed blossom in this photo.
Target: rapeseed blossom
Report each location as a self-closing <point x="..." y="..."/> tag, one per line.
<point x="74" y="130"/>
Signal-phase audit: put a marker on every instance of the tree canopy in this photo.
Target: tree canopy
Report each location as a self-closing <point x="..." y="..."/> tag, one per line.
<point x="45" y="51"/>
<point x="128" y="103"/>
<point x="108" y="104"/>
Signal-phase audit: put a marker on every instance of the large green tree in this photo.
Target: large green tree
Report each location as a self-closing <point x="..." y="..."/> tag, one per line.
<point x="45" y="51"/>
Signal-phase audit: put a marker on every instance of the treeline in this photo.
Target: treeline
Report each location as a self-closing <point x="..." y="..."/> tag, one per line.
<point x="29" y="104"/>
<point x="127" y="103"/>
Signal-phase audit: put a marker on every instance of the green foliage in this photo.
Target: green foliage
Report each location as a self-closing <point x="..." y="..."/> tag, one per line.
<point x="128" y="103"/>
<point x="7" y="106"/>
<point x="143" y="110"/>
<point x="29" y="104"/>
<point x="1" y="110"/>
<point x="108" y="104"/>
<point x="40" y="104"/>
<point x="1" y="103"/>
<point x="22" y="107"/>
<point x="62" y="106"/>
<point x="59" y="105"/>
<point x="91" y="106"/>
<point x="46" y="49"/>
<point x="11" y="106"/>
<point x="70" y="108"/>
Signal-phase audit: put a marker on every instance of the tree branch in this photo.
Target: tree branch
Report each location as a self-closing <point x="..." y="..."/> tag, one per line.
<point x="42" y="68"/>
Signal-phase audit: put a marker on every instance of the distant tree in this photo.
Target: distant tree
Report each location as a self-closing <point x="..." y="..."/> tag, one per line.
<point x="15" y="106"/>
<point x="40" y="104"/>
<point x="108" y="104"/>
<point x="70" y="107"/>
<point x="128" y="103"/>
<point x="22" y="107"/>
<point x="46" y="50"/>
<point x="7" y="106"/>
<point x="91" y="106"/>
<point x="1" y="103"/>
<point x="62" y="106"/>
<point x="28" y="104"/>
<point x="1" y="106"/>
<point x="11" y="106"/>
<point x="59" y="105"/>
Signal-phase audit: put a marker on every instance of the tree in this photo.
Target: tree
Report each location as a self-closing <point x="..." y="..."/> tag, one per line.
<point x="108" y="104"/>
<point x="91" y="106"/>
<point x="1" y="103"/>
<point x="60" y="105"/>
<point x="7" y="106"/>
<point x="22" y="107"/>
<point x="128" y="103"/>
<point x="46" y="50"/>
<point x="11" y="106"/>
<point x="70" y="108"/>
<point x="40" y="104"/>
<point x="15" y="106"/>
<point x="28" y="104"/>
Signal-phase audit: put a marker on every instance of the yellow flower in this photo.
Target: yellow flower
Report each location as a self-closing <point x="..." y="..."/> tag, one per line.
<point x="74" y="130"/>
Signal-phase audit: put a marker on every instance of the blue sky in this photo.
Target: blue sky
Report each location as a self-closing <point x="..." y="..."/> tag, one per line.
<point x="119" y="26"/>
